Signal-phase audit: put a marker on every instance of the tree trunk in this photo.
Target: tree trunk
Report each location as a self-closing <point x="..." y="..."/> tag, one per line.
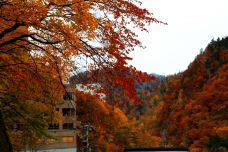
<point x="5" y="144"/>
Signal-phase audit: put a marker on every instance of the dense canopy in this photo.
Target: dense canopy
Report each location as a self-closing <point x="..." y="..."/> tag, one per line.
<point x="43" y="42"/>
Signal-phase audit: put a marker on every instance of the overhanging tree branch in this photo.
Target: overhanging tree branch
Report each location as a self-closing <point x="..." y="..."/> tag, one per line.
<point x="14" y="27"/>
<point x="14" y="39"/>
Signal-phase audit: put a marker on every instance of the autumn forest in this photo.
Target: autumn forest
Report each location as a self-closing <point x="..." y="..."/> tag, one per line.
<point x="48" y="45"/>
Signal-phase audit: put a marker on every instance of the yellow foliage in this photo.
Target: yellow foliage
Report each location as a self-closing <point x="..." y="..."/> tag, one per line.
<point x="223" y="131"/>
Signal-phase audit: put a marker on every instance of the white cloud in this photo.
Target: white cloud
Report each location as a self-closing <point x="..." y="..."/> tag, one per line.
<point x="191" y="26"/>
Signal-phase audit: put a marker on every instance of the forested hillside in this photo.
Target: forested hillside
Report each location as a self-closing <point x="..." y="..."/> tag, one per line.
<point x="189" y="109"/>
<point x="195" y="102"/>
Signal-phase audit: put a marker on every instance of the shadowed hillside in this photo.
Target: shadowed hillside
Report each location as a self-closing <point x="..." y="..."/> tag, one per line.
<point x="189" y="109"/>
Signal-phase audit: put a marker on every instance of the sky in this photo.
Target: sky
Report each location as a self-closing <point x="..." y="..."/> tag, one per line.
<point x="192" y="24"/>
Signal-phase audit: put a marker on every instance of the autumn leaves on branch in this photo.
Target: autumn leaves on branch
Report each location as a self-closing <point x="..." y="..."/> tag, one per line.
<point x="43" y="42"/>
<point x="54" y="33"/>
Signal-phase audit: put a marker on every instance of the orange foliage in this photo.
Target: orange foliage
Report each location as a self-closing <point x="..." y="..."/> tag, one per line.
<point x="43" y="42"/>
<point x="195" y="103"/>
